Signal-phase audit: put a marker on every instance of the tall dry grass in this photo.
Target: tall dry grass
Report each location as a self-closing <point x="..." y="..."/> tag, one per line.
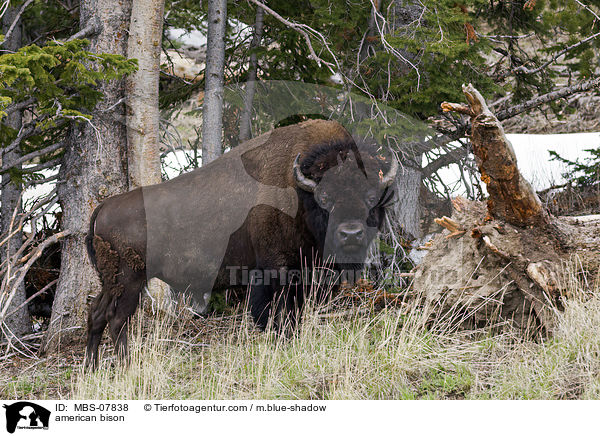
<point x="393" y="354"/>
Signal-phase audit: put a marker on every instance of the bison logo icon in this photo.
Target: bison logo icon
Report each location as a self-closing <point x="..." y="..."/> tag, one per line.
<point x="26" y="415"/>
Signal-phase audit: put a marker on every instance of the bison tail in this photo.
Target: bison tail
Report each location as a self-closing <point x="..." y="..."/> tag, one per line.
<point x="89" y="239"/>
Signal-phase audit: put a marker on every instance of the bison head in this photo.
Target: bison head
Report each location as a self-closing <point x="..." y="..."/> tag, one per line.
<point x="345" y="191"/>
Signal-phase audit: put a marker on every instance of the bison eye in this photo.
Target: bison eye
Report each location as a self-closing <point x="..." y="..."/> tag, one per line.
<point x="372" y="199"/>
<point x="323" y="199"/>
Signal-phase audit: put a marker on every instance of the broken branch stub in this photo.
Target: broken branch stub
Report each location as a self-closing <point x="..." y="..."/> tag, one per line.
<point x="511" y="197"/>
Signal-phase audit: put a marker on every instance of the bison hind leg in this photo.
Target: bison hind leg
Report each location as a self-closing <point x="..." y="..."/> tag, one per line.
<point x="96" y="324"/>
<point x="123" y="278"/>
<point x="124" y="307"/>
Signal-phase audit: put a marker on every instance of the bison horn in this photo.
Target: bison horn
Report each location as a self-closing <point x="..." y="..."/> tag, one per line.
<point x="389" y="178"/>
<point x="302" y="181"/>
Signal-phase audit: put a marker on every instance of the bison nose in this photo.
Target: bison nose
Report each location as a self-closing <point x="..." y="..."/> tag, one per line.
<point x="351" y="233"/>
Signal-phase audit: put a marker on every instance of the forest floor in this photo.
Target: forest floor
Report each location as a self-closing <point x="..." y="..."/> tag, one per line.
<point x="394" y="353"/>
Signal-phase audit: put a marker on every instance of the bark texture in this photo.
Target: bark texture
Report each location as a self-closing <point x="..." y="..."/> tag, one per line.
<point x="407" y="210"/>
<point x="511" y="197"/>
<point x="246" y="116"/>
<point x="145" y="36"/>
<point x="212" y="110"/>
<point x="143" y="115"/>
<point x="94" y="168"/>
<point x="19" y="324"/>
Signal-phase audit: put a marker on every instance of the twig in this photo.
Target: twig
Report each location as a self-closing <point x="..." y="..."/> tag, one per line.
<point x="33" y="155"/>
<point x="40" y="292"/>
<point x="90" y="29"/>
<point x="389" y="47"/>
<point x="15" y="21"/>
<point x="300" y="28"/>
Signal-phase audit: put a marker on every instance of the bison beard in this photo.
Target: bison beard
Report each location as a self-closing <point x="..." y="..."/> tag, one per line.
<point x="299" y="196"/>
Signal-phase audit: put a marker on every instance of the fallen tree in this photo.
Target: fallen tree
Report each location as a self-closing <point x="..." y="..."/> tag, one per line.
<point x="508" y="260"/>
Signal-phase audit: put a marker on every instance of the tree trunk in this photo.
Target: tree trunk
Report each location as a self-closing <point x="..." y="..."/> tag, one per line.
<point x="212" y="111"/>
<point x="19" y="323"/>
<point x="94" y="168"/>
<point x="143" y="115"/>
<point x="245" y="125"/>
<point x="145" y="36"/>
<point x="401" y="15"/>
<point x="407" y="210"/>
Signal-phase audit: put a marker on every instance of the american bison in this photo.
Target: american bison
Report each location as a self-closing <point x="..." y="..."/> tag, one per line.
<point x="294" y="197"/>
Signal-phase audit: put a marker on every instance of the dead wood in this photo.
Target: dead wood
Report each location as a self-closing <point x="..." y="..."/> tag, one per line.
<point x="507" y="260"/>
<point x="511" y="197"/>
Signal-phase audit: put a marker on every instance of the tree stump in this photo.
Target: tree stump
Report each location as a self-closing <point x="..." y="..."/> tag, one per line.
<point x="507" y="260"/>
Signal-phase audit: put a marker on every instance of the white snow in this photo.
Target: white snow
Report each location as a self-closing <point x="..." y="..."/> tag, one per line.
<point x="192" y="38"/>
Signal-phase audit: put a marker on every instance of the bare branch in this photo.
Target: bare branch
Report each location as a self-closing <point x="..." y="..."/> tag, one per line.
<point x="301" y="29"/>
<point x="33" y="155"/>
<point x="36" y="253"/>
<point x="3" y="7"/>
<point x="92" y="28"/>
<point x="388" y="47"/>
<point x="38" y="293"/>
<point x="19" y="106"/>
<point x="546" y="98"/>
<point x="460" y="153"/>
<point x="15" y="21"/>
<point x="590" y="10"/>
<point x="524" y="70"/>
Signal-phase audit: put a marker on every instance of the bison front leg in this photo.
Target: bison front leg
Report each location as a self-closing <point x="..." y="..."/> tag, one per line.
<point x="277" y="305"/>
<point x="288" y="303"/>
<point x="260" y="302"/>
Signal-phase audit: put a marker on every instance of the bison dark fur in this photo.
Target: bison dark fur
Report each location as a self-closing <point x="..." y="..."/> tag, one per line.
<point x="294" y="197"/>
